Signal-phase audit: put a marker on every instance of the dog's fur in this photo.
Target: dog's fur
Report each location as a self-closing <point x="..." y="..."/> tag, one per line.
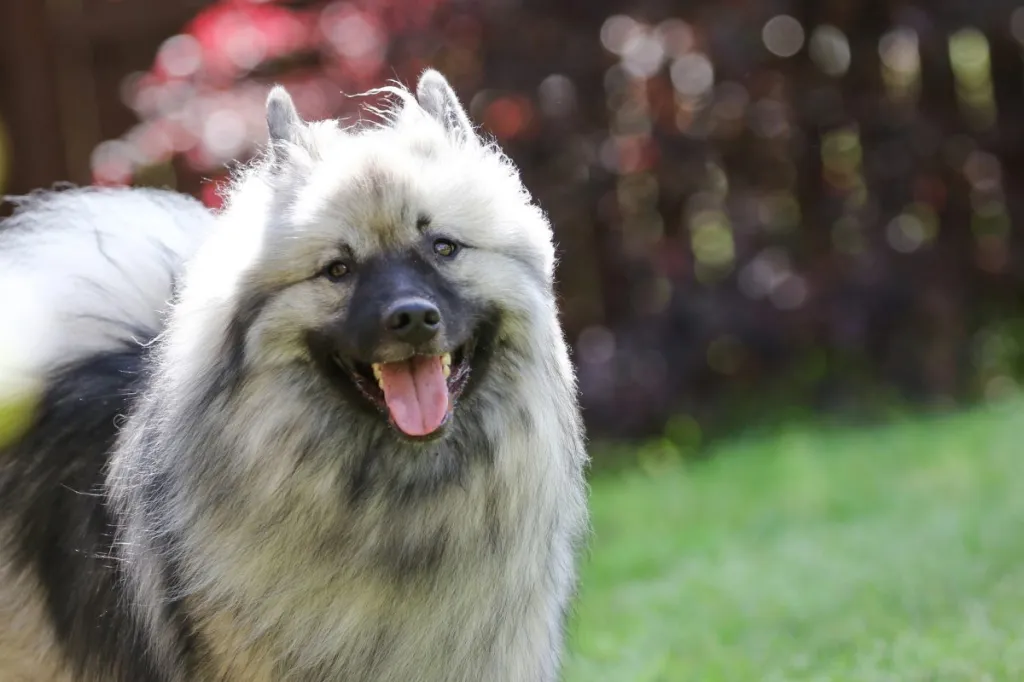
<point x="198" y="500"/>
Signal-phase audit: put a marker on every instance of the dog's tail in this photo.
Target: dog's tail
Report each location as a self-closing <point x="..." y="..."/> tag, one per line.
<point x="85" y="273"/>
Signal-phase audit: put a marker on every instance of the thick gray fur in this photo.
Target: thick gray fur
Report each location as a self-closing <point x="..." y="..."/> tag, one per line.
<point x="262" y="527"/>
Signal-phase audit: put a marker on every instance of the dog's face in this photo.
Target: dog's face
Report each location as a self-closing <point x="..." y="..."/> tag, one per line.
<point x="394" y="258"/>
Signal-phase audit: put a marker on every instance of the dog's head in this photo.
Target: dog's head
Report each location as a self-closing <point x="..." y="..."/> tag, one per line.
<point x="393" y="258"/>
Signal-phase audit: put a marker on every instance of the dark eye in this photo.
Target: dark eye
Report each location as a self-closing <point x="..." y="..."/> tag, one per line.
<point x="336" y="270"/>
<point x="445" y="248"/>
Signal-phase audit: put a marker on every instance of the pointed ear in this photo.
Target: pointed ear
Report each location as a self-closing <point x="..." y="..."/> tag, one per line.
<point x="283" y="121"/>
<point x="439" y="100"/>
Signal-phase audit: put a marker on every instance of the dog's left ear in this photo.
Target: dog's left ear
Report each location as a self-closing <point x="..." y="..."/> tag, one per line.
<point x="438" y="99"/>
<point x="286" y="127"/>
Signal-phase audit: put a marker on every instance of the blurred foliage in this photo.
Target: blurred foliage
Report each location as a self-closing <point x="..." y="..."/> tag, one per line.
<point x="759" y="205"/>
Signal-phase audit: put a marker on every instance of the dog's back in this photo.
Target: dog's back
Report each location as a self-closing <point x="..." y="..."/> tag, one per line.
<point x="85" y="277"/>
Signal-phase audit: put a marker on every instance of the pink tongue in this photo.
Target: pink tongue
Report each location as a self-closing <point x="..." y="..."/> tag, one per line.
<point x="416" y="393"/>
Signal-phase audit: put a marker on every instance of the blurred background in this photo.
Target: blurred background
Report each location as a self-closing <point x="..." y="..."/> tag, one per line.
<point x="769" y="213"/>
<point x="762" y="207"/>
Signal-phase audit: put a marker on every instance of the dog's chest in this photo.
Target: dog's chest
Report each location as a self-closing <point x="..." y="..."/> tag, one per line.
<point x="464" y="590"/>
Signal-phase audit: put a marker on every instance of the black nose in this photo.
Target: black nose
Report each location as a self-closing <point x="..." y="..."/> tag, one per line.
<point x="413" y="321"/>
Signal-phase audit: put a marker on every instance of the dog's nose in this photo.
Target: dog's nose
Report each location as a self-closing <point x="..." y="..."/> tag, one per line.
<point x="413" y="321"/>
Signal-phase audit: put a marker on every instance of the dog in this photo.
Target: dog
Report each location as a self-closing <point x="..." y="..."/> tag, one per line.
<point x="328" y="432"/>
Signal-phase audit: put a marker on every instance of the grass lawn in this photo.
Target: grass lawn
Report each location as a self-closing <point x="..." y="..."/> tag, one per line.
<point x="892" y="553"/>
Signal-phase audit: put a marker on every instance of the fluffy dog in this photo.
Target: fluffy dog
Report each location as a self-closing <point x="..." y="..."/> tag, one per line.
<point x="330" y="433"/>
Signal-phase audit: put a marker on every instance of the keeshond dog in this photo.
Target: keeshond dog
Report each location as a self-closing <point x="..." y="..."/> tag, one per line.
<point x="329" y="433"/>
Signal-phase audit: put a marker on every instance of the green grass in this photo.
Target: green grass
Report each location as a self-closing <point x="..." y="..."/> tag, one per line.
<point x="893" y="553"/>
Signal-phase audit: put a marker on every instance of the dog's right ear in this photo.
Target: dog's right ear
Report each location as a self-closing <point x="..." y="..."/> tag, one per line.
<point x="438" y="99"/>
<point x="287" y="129"/>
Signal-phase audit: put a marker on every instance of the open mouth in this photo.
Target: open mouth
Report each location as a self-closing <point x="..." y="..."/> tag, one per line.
<point x="418" y="393"/>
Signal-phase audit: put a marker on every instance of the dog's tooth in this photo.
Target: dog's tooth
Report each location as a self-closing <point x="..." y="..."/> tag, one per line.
<point x="446" y="359"/>
<point x="446" y="370"/>
<point x="378" y="374"/>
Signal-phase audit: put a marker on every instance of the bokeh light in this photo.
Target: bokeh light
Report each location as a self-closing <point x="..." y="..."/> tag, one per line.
<point x="693" y="75"/>
<point x="830" y="50"/>
<point x="969" y="56"/>
<point x="901" y="63"/>
<point x="783" y="35"/>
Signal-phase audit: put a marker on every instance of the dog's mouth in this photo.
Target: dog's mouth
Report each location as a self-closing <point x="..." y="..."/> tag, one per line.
<point x="418" y="393"/>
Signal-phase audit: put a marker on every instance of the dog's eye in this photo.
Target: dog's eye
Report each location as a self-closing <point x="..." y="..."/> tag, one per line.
<point x="445" y="248"/>
<point x="336" y="270"/>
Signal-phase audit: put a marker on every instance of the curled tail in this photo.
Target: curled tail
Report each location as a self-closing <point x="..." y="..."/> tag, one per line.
<point x="85" y="272"/>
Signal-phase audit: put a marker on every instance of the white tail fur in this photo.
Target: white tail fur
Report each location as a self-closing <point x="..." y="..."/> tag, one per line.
<point x="87" y="270"/>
